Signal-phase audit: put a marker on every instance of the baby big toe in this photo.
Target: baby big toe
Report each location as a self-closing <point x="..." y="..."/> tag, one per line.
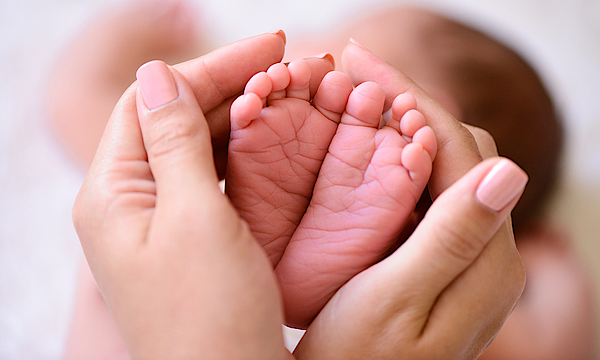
<point x="332" y="95"/>
<point x="365" y="105"/>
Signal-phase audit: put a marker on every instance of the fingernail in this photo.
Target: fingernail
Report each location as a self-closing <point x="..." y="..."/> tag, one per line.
<point x="352" y="41"/>
<point x="281" y="34"/>
<point x="157" y="84"/>
<point x="501" y="185"/>
<point x="325" y="55"/>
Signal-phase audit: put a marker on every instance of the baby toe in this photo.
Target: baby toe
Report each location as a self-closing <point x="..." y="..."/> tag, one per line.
<point x="280" y="76"/>
<point x="260" y="84"/>
<point x="417" y="161"/>
<point x="245" y="109"/>
<point x="365" y="105"/>
<point x="332" y="95"/>
<point x="426" y="137"/>
<point x="411" y="122"/>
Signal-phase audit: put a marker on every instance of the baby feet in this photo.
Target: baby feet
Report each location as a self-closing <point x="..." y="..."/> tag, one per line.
<point x="369" y="178"/>
<point x="279" y="138"/>
<point x="369" y="184"/>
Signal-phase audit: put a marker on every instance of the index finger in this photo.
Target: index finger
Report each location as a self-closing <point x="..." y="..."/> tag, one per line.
<point x="221" y="73"/>
<point x="219" y="76"/>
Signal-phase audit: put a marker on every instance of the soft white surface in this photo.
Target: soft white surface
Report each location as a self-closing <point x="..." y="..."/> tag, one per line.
<point x="39" y="252"/>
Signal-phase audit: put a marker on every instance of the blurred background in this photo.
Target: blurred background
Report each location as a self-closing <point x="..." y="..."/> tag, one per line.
<point x="39" y="251"/>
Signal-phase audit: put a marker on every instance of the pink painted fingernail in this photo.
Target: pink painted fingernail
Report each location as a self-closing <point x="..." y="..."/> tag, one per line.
<point x="501" y="185"/>
<point x="157" y="84"/>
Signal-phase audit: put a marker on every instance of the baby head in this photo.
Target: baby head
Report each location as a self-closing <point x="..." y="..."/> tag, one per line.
<point x="478" y="80"/>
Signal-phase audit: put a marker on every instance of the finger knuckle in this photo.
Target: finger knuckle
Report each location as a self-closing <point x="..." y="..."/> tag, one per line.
<point x="460" y="239"/>
<point x="170" y="136"/>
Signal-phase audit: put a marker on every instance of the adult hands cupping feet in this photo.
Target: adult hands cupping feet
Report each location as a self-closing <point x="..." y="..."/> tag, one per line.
<point x="179" y="270"/>
<point x="447" y="291"/>
<point x="183" y="275"/>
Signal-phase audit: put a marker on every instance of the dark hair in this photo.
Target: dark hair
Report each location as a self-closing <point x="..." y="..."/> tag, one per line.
<point x="497" y="90"/>
<point x="483" y="83"/>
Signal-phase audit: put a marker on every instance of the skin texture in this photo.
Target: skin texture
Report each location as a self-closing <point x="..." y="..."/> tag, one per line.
<point x="470" y="266"/>
<point x="278" y="142"/>
<point x="276" y="151"/>
<point x="214" y="98"/>
<point x="483" y="82"/>
<point x="368" y="177"/>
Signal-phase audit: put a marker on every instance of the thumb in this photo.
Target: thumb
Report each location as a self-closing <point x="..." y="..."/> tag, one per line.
<point x="462" y="221"/>
<point x="175" y="132"/>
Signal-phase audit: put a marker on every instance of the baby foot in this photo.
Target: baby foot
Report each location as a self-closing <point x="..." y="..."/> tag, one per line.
<point x="279" y="139"/>
<point x="278" y="142"/>
<point x="369" y="184"/>
<point x="101" y="63"/>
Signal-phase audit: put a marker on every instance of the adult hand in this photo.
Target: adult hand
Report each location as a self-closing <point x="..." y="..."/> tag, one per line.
<point x="446" y="292"/>
<point x="180" y="272"/>
<point x="217" y="79"/>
